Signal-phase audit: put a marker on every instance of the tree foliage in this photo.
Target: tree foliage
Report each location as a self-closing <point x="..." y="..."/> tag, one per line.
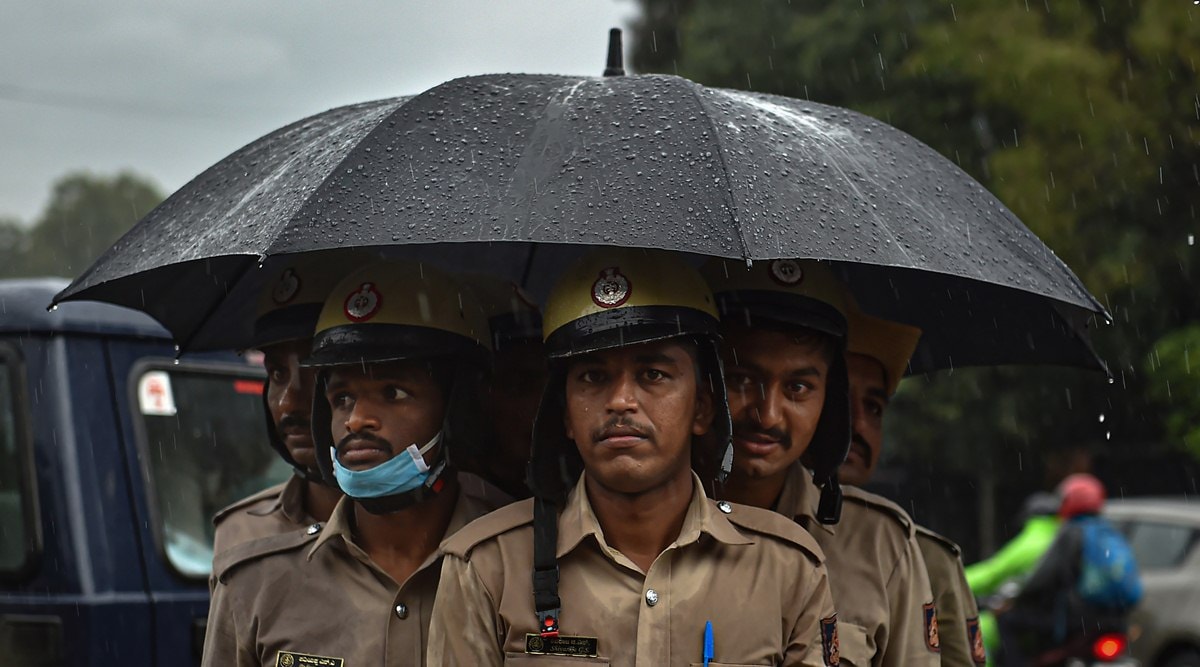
<point x="84" y="216"/>
<point x="1083" y="117"/>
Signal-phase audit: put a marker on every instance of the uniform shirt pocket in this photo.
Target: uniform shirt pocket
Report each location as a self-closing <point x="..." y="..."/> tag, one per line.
<point x="857" y="646"/>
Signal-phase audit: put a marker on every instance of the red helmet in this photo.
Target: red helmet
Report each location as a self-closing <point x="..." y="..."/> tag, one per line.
<point x="1081" y="493"/>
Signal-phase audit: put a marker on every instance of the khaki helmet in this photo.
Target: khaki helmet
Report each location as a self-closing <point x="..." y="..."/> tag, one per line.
<point x="789" y="293"/>
<point x="291" y="297"/>
<point x="396" y="311"/>
<point x="288" y="305"/>
<point x="614" y="297"/>
<point x="890" y="343"/>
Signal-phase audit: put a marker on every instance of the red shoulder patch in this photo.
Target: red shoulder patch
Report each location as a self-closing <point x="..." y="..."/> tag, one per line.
<point x="830" y="648"/>
<point x="932" y="641"/>
<point x="975" y="641"/>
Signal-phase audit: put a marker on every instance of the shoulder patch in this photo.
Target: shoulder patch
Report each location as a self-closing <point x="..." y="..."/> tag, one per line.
<point x="767" y="522"/>
<point x="247" y="552"/>
<point x="942" y="541"/>
<point x="488" y="526"/>
<point x="880" y="504"/>
<point x="269" y="493"/>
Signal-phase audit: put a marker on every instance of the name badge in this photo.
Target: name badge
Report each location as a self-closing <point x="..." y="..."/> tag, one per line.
<point x="293" y="659"/>
<point x="583" y="647"/>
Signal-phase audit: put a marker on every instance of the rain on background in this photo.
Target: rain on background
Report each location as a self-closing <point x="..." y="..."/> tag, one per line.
<point x="1083" y="117"/>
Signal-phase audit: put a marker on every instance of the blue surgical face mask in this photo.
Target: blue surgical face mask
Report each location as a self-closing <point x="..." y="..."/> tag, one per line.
<point x="403" y="472"/>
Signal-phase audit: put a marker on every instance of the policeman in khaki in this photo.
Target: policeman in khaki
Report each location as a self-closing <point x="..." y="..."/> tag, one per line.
<point x="784" y="328"/>
<point x="620" y="558"/>
<point x="283" y="329"/>
<point x="877" y="354"/>
<point x="400" y="352"/>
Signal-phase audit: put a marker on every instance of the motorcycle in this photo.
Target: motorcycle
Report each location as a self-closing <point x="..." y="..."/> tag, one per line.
<point x="1104" y="646"/>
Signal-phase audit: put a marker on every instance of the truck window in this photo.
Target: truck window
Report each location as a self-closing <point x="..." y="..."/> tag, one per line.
<point x="19" y="541"/>
<point x="205" y="444"/>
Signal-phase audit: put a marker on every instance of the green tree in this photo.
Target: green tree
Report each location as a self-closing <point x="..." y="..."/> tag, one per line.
<point x="84" y="216"/>
<point x="1082" y="117"/>
<point x="14" y="246"/>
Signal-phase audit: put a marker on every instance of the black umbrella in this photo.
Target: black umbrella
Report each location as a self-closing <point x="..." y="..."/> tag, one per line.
<point x="506" y="171"/>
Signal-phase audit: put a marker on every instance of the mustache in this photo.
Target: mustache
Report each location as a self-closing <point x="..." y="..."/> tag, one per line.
<point x="293" y="421"/>
<point x="749" y="427"/>
<point x="376" y="442"/>
<point x="623" y="423"/>
<point x="857" y="439"/>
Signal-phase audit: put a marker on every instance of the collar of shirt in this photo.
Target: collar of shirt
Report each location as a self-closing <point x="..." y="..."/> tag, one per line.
<point x="577" y="521"/>
<point x="799" y="499"/>
<point x="289" y="502"/>
<point x="341" y="524"/>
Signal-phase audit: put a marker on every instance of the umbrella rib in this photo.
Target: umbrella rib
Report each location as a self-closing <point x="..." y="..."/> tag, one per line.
<point x="724" y="171"/>
<point x="186" y="344"/>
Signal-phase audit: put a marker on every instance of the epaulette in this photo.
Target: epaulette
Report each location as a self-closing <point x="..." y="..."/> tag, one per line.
<point x="268" y="493"/>
<point x="766" y="522"/>
<point x="881" y="504"/>
<point x="941" y="540"/>
<point x="488" y="526"/>
<point x="248" y="552"/>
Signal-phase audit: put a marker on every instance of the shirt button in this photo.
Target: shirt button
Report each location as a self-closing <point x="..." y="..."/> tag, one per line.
<point x="313" y="529"/>
<point x="402" y="611"/>
<point x="651" y="597"/>
<point x="725" y="507"/>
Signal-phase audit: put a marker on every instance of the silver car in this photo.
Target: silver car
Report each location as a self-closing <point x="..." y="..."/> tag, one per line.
<point x="1165" y="536"/>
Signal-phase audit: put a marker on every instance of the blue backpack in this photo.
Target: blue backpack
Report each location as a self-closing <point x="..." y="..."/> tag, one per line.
<point x="1108" y="576"/>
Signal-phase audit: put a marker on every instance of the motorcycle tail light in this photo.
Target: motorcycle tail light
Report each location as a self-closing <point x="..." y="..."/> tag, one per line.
<point x="1109" y="646"/>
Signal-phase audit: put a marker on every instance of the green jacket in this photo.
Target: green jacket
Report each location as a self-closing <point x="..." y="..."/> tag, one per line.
<point x="1015" y="559"/>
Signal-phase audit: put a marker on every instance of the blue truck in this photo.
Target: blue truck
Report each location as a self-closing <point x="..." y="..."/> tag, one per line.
<point x="113" y="457"/>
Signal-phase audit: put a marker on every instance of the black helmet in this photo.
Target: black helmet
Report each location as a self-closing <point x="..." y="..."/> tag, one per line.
<point x="797" y="293"/>
<point x="396" y="311"/>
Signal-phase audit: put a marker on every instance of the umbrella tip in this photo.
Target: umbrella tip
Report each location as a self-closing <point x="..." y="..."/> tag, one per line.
<point x="616" y="62"/>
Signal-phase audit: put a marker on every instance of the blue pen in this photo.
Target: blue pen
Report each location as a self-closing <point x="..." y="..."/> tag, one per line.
<point x="708" y="642"/>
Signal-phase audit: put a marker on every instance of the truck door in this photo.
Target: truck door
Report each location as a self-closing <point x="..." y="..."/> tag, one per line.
<point x="197" y="436"/>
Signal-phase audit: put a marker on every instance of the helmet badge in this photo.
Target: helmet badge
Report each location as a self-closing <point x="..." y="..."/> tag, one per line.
<point x="786" y="272"/>
<point x="286" y="288"/>
<point x="362" y="304"/>
<point x="611" y="289"/>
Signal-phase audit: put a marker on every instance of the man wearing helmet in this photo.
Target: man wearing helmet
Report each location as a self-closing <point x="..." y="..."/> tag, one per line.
<point x="287" y="313"/>
<point x="877" y="354"/>
<point x="400" y="352"/>
<point x="1086" y="583"/>
<point x="784" y="328"/>
<point x="630" y="562"/>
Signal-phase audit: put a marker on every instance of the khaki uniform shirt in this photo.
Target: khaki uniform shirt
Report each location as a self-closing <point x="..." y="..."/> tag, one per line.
<point x="313" y="592"/>
<point x="880" y="586"/>
<point x="272" y="511"/>
<point x="759" y="580"/>
<point x="957" y="614"/>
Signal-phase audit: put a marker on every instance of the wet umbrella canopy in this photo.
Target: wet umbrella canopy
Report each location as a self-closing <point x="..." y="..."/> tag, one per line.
<point x="491" y="169"/>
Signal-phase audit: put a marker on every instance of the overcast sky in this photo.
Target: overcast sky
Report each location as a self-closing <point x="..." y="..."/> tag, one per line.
<point x="168" y="88"/>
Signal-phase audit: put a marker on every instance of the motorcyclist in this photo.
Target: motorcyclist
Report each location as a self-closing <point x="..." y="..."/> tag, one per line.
<point x="1054" y="602"/>
<point x="1016" y="559"/>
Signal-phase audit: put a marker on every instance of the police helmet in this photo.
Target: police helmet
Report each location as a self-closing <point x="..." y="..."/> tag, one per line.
<point x="397" y="311"/>
<point x="787" y="294"/>
<point x="612" y="298"/>
<point x="890" y="343"/>
<point x="288" y="305"/>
